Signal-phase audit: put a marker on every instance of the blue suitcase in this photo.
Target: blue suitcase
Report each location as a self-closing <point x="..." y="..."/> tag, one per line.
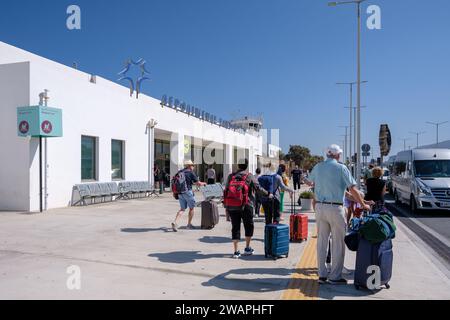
<point x="368" y="254"/>
<point x="276" y="241"/>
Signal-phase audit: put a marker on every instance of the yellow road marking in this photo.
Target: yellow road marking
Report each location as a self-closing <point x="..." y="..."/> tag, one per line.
<point x="304" y="283"/>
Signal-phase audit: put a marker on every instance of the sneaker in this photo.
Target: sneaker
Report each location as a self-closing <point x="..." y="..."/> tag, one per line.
<point x="174" y="227"/>
<point x="248" y="251"/>
<point x="190" y="227"/>
<point x="346" y="271"/>
<point x="236" y="255"/>
<point x="338" y="282"/>
<point x="323" y="280"/>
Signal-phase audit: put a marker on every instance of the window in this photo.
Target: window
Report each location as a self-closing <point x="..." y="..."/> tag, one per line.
<point x="400" y="168"/>
<point x="117" y="156"/>
<point x="88" y="158"/>
<point x="432" y="168"/>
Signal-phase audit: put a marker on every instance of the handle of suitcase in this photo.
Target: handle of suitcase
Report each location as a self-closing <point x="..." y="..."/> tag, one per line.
<point x="293" y="204"/>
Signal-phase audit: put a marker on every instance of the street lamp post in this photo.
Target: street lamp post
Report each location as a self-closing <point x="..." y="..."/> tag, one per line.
<point x="418" y="134"/>
<point x="437" y="124"/>
<point x="358" y="98"/>
<point x="346" y="146"/>
<point x="404" y="143"/>
<point x="351" y="125"/>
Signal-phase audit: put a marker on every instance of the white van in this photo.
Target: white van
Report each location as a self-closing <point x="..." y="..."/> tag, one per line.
<point x="421" y="179"/>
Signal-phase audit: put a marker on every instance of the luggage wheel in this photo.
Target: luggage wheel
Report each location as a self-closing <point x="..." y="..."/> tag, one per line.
<point x="388" y="286"/>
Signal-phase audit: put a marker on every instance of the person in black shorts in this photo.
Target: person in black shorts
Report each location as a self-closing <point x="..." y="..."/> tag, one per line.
<point x="245" y="215"/>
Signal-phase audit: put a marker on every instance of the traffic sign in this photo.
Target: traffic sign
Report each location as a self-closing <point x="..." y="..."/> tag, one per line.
<point x="365" y="148"/>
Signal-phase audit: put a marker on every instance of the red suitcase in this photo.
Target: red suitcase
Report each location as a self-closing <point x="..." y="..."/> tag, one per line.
<point x="298" y="224"/>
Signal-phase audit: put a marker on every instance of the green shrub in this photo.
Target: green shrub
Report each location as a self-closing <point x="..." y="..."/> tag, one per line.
<point x="307" y="195"/>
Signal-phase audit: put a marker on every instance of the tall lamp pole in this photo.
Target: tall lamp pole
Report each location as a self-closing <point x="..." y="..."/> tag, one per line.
<point x="437" y="124"/>
<point x="358" y="82"/>
<point x="346" y="146"/>
<point x="351" y="125"/>
<point x="404" y="143"/>
<point x="418" y="134"/>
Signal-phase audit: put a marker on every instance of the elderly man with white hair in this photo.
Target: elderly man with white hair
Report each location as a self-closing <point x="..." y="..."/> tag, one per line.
<point x="330" y="180"/>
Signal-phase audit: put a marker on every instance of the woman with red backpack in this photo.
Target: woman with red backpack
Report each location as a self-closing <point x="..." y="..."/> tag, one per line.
<point x="239" y="200"/>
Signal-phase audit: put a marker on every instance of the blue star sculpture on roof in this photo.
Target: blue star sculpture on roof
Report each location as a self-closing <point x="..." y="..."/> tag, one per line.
<point x="143" y="75"/>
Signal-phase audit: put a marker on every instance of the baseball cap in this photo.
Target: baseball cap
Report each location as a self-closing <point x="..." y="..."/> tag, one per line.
<point x="334" y="150"/>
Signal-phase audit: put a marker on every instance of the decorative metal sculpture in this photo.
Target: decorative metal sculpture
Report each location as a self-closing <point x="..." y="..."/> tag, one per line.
<point x="141" y="64"/>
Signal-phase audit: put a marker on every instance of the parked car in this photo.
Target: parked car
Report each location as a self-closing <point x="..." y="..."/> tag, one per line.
<point x="421" y="179"/>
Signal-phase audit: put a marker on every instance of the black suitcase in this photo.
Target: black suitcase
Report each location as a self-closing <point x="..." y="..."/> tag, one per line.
<point x="368" y="255"/>
<point x="210" y="215"/>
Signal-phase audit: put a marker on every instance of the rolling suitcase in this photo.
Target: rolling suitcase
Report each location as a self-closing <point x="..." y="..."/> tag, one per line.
<point x="298" y="224"/>
<point x="368" y="255"/>
<point x="210" y="215"/>
<point x="276" y="241"/>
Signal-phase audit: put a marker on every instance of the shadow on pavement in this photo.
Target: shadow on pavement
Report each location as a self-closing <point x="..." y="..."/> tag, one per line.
<point x="185" y="256"/>
<point x="259" y="284"/>
<point x="142" y="230"/>
<point x="329" y="292"/>
<point x="219" y="240"/>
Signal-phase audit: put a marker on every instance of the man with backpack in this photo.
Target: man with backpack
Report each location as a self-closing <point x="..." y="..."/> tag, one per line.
<point x="272" y="183"/>
<point x="240" y="193"/>
<point x="182" y="184"/>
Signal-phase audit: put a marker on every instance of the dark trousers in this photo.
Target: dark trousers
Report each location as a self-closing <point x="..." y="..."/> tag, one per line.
<point x="245" y="216"/>
<point x="257" y="207"/>
<point x="296" y="184"/>
<point x="272" y="211"/>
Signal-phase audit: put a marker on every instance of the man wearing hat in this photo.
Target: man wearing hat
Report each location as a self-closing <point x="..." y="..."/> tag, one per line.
<point x="330" y="180"/>
<point x="187" y="199"/>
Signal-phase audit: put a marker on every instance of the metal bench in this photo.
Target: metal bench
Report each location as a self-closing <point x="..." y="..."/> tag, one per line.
<point x="82" y="193"/>
<point x="213" y="192"/>
<point x="129" y="189"/>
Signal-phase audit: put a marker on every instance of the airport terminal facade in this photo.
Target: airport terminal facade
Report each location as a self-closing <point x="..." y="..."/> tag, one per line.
<point x="105" y="134"/>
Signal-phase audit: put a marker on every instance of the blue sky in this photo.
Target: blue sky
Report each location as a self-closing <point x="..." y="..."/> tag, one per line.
<point x="278" y="58"/>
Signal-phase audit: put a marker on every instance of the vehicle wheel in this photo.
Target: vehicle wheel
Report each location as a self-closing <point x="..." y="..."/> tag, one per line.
<point x="413" y="205"/>
<point x="397" y="198"/>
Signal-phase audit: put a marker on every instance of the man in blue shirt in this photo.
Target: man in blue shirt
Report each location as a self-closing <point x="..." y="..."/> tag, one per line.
<point x="187" y="199"/>
<point x="330" y="180"/>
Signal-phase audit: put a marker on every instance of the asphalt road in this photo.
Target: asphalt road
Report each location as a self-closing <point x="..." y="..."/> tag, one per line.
<point x="433" y="227"/>
<point x="438" y="221"/>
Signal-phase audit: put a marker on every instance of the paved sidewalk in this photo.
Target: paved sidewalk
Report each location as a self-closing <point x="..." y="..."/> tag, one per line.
<point x="126" y="250"/>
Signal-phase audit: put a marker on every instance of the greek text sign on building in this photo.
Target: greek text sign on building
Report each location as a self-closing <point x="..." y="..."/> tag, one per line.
<point x="39" y="121"/>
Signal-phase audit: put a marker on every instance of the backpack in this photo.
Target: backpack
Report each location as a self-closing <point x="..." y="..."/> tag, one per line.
<point x="377" y="228"/>
<point x="179" y="183"/>
<point x="267" y="182"/>
<point x="236" y="195"/>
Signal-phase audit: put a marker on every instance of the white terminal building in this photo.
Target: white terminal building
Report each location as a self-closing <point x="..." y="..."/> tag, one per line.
<point x="106" y="134"/>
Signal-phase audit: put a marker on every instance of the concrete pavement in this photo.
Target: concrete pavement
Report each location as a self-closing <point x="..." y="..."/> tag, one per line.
<point x="126" y="250"/>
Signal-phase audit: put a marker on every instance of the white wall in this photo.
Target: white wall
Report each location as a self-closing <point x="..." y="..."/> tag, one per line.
<point x="103" y="110"/>
<point x="14" y="150"/>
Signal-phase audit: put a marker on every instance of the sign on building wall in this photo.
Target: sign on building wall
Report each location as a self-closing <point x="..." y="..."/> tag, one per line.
<point x="39" y="121"/>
